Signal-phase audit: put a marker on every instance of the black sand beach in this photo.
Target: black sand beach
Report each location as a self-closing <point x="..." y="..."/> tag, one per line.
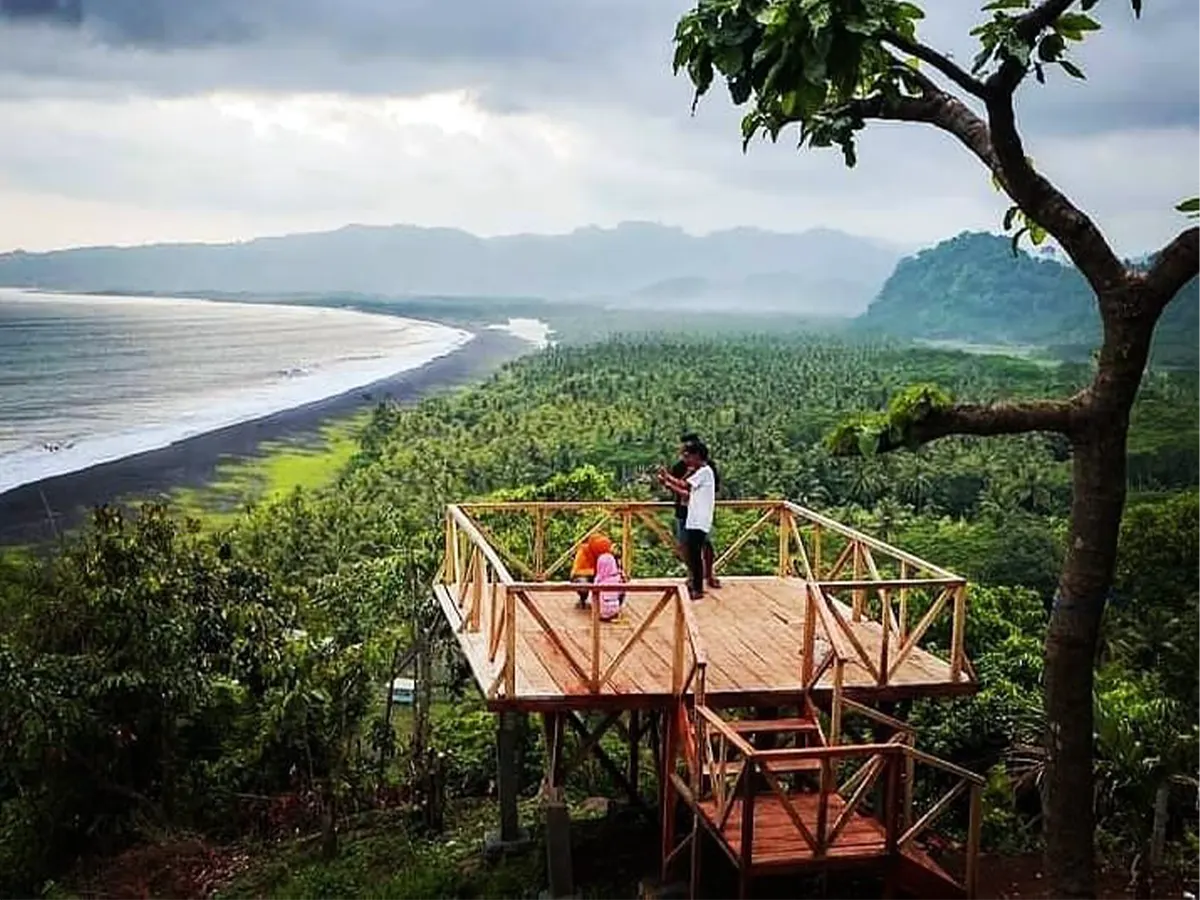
<point x="31" y="513"/>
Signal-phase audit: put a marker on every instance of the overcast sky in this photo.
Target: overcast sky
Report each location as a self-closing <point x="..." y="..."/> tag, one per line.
<point x="165" y="120"/>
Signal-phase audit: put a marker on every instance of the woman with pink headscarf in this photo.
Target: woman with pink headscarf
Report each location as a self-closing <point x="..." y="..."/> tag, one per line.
<point x="608" y="573"/>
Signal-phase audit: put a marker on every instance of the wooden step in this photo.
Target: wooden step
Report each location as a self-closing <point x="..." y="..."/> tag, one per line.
<point x="778" y="766"/>
<point x="772" y="726"/>
<point x="917" y="875"/>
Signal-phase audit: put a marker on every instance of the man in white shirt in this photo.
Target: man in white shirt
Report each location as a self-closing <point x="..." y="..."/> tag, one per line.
<point x="700" y="490"/>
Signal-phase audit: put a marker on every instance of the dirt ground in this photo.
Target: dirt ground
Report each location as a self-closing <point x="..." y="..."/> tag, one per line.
<point x="1020" y="878"/>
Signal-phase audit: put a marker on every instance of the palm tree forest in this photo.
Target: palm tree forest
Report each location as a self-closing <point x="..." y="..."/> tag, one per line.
<point x="194" y="707"/>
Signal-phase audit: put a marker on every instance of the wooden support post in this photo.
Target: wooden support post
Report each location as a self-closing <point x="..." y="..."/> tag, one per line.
<point x="697" y="837"/>
<point x="552" y="732"/>
<point x="747" y="854"/>
<point x="885" y="624"/>
<point x="808" y="639"/>
<point x="860" y="595"/>
<point x="627" y="543"/>
<point x="635" y="747"/>
<point x="887" y="796"/>
<point x="508" y="779"/>
<point x="956" y="637"/>
<point x="826" y="786"/>
<point x="510" y="643"/>
<point x="891" y="803"/>
<point x="785" y="542"/>
<point x="816" y="552"/>
<point x="903" y="603"/>
<point x="835" y="710"/>
<point x="478" y="566"/>
<point x="539" y="544"/>
<point x="910" y="780"/>
<point x="975" y="823"/>
<point x="677" y="655"/>
<point x="669" y="799"/>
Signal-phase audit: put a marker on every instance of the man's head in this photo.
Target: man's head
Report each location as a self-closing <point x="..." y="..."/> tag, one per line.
<point x="694" y="454"/>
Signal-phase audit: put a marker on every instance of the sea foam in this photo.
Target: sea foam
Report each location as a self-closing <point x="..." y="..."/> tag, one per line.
<point x="402" y="345"/>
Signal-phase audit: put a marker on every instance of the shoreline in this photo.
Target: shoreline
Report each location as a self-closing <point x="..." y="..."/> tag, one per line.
<point x="37" y="512"/>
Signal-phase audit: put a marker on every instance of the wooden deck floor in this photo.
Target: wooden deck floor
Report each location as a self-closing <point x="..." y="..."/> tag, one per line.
<point x="778" y="847"/>
<point x="777" y="842"/>
<point x="751" y="629"/>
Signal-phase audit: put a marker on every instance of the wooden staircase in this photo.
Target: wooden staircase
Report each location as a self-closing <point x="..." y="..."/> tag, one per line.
<point x="779" y="795"/>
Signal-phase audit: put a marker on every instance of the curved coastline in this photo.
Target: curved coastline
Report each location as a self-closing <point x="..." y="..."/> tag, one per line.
<point x="295" y="389"/>
<point x="40" y="509"/>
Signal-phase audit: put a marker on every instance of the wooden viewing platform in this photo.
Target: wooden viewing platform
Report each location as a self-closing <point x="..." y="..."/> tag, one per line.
<point x="811" y="615"/>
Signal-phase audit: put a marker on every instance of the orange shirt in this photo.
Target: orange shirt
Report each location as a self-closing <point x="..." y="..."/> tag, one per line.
<point x="587" y="554"/>
<point x="585" y="562"/>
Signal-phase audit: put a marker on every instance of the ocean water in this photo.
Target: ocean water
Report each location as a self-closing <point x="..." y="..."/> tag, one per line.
<point x="86" y="380"/>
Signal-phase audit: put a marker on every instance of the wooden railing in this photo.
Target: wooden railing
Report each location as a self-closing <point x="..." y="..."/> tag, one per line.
<point x="871" y="603"/>
<point x="730" y="772"/>
<point x="488" y="600"/>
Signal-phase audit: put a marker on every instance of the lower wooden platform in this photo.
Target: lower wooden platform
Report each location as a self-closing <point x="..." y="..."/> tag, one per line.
<point x="752" y="631"/>
<point x="777" y="842"/>
<point x="778" y="847"/>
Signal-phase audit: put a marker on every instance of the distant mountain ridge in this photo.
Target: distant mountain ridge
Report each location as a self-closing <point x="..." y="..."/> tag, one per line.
<point x="971" y="288"/>
<point x="817" y="270"/>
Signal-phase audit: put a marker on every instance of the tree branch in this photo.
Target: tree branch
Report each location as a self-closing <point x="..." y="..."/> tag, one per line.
<point x="938" y="108"/>
<point x="940" y="62"/>
<point x="1174" y="266"/>
<point x="1030" y="25"/>
<point x="1049" y="207"/>
<point x="998" y="146"/>
<point x="1009" y="417"/>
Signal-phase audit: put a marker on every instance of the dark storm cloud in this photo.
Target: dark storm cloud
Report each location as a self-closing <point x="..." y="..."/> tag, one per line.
<point x="522" y="54"/>
<point x="513" y="54"/>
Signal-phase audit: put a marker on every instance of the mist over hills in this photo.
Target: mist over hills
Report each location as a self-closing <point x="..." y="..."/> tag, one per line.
<point x="635" y="263"/>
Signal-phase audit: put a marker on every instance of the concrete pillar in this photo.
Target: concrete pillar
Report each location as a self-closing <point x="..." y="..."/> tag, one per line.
<point x="511" y="837"/>
<point x="558" y="845"/>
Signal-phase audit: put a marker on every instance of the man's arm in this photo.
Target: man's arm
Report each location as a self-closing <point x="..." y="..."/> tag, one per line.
<point x="678" y="485"/>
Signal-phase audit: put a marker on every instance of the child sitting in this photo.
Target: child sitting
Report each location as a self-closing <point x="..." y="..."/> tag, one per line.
<point x="583" y="570"/>
<point x="608" y="572"/>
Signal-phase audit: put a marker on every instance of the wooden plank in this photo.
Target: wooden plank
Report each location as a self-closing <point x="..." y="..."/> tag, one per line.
<point x="769" y="726"/>
<point x="633" y="638"/>
<point x="553" y="635"/>
<point x="750" y="630"/>
<point x="569" y="624"/>
<point x="776" y="841"/>
<point x="748" y="650"/>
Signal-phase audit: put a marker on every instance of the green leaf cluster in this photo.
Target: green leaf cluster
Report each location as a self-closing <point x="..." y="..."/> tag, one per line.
<point x="797" y="61"/>
<point x="866" y="434"/>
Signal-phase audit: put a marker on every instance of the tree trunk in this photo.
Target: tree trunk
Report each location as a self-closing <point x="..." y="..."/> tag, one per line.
<point x="329" y="835"/>
<point x="1098" y="500"/>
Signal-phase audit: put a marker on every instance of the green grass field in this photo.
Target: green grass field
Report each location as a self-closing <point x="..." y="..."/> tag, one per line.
<point x="304" y="461"/>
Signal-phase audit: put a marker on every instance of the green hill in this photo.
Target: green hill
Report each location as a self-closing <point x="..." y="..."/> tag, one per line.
<point x="971" y="288"/>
